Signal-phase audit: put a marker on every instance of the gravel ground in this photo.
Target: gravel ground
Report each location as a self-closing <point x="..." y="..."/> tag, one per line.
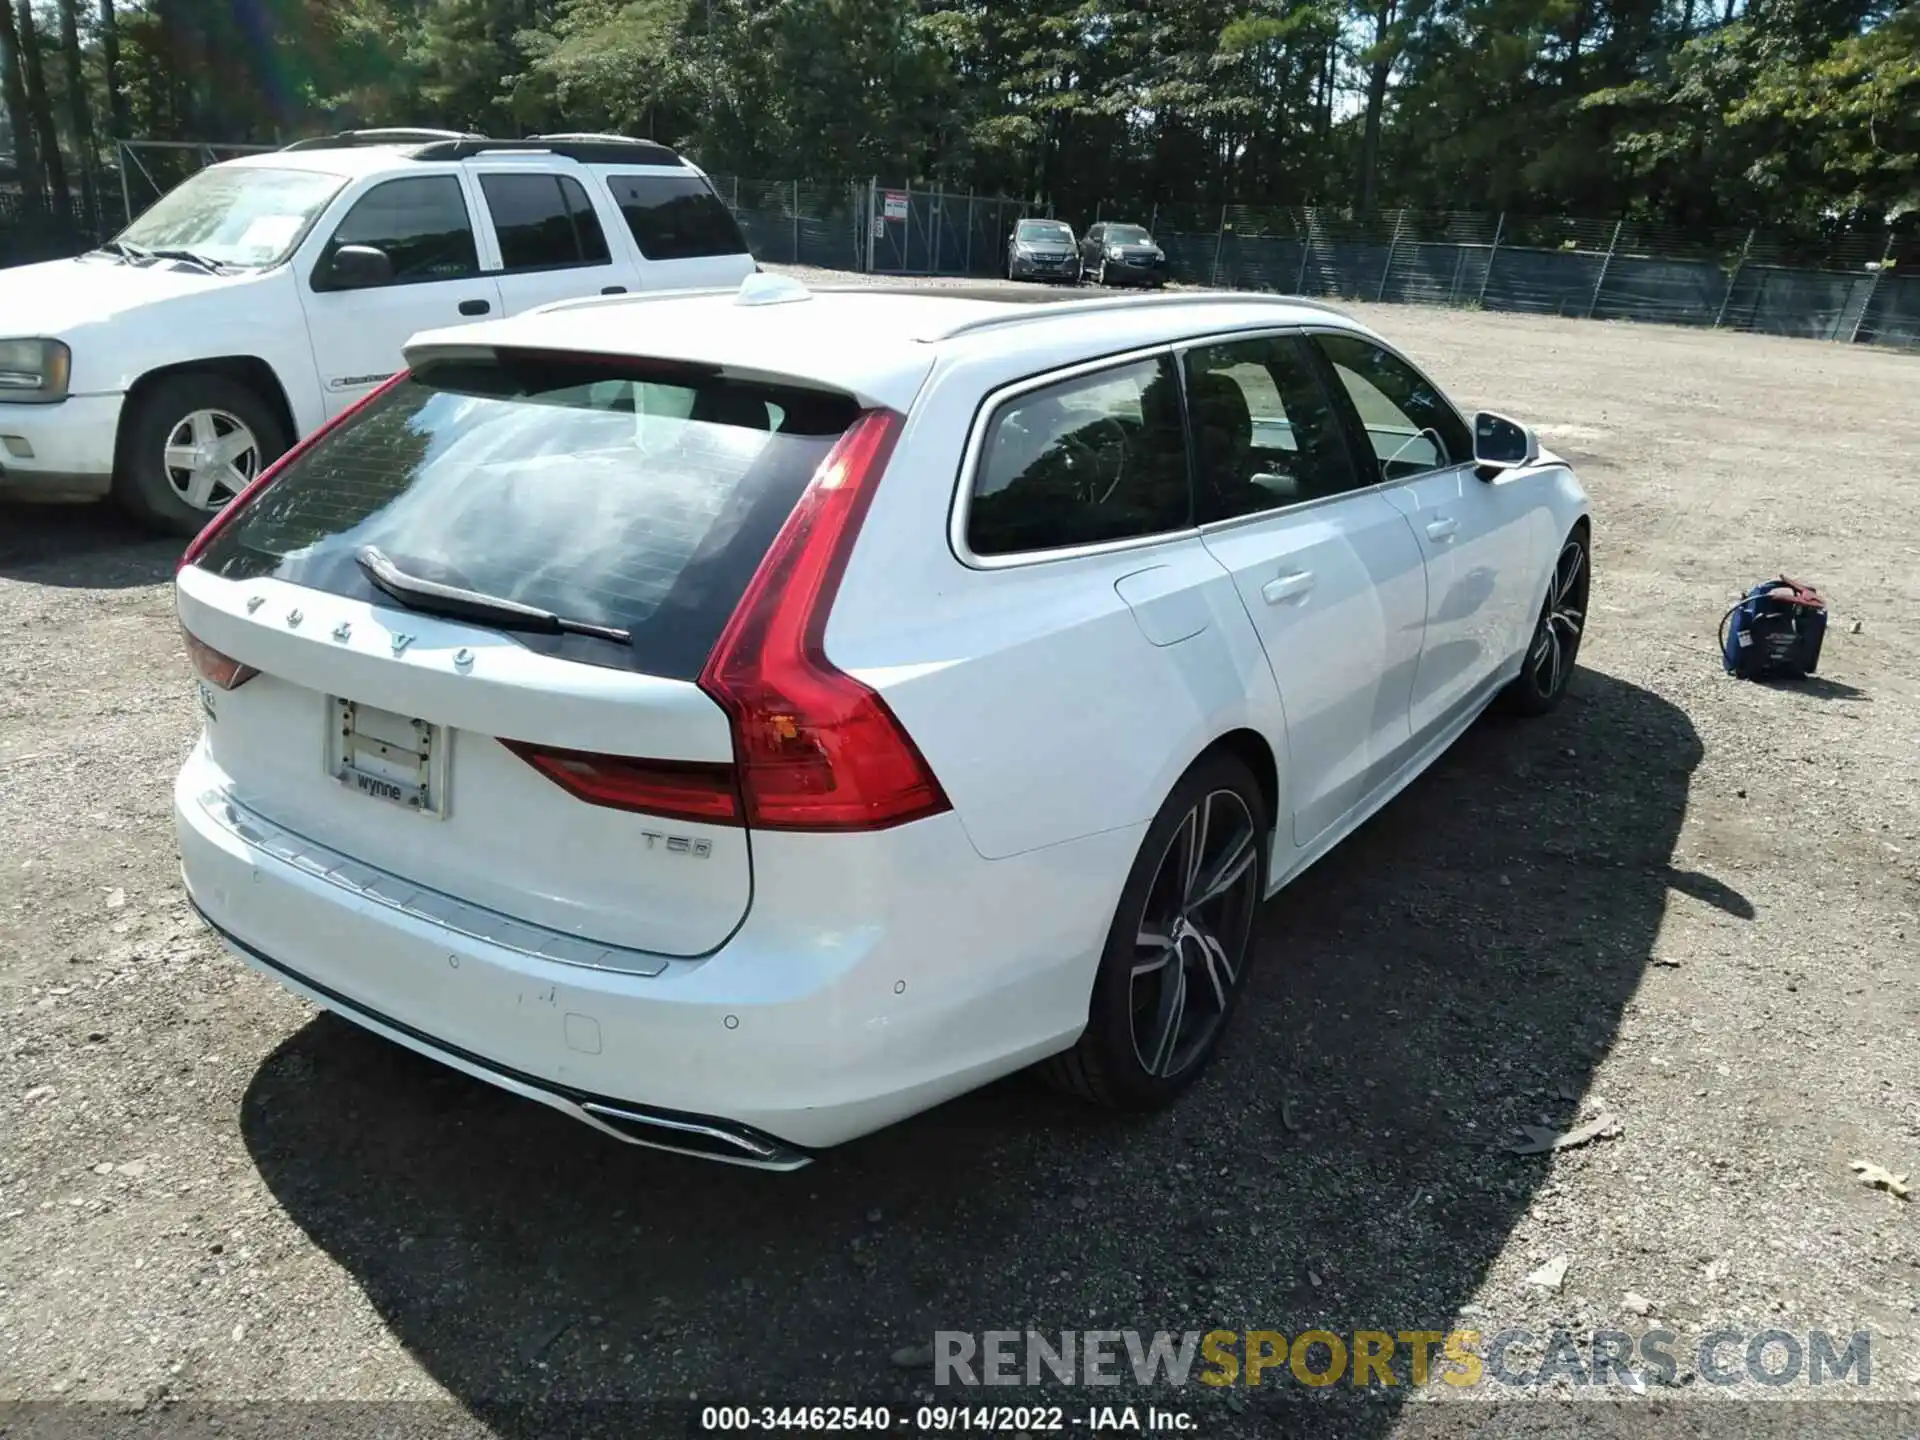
<point x="1682" y="901"/>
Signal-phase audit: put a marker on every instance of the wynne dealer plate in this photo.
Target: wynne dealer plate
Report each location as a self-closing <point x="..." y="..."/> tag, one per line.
<point x="389" y="757"/>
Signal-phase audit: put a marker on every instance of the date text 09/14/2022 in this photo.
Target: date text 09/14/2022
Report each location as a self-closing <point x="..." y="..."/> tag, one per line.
<point x="950" y="1419"/>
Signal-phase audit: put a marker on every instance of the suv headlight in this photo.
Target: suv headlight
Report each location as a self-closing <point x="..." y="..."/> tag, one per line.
<point x="1114" y="252"/>
<point x="34" y="372"/>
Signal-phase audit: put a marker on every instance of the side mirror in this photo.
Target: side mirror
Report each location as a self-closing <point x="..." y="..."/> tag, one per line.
<point x="355" y="267"/>
<point x="1503" y="444"/>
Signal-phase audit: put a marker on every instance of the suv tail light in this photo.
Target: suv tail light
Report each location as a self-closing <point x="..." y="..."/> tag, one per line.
<point x="228" y="513"/>
<point x="213" y="667"/>
<point x="815" y="748"/>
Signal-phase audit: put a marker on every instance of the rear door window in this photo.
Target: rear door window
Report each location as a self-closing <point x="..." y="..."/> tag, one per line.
<point x="544" y="222"/>
<point x="675" y="217"/>
<point x="631" y="496"/>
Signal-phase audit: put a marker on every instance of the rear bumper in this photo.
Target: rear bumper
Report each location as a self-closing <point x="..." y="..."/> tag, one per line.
<point x="59" y="452"/>
<point x="707" y="1136"/>
<point x="871" y="980"/>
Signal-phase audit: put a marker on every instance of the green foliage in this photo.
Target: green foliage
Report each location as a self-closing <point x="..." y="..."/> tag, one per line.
<point x="1688" y="111"/>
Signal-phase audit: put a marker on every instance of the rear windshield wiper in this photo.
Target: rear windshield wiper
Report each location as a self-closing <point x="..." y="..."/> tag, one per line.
<point x="433" y="598"/>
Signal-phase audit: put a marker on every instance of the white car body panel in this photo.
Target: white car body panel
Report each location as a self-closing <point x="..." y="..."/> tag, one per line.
<point x="1338" y="596"/>
<point x="811" y="988"/>
<point x="1475" y="537"/>
<point x="578" y="878"/>
<point x="843" y="1023"/>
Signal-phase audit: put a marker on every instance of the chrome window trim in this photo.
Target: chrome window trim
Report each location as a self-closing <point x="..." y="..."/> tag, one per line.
<point x="990" y="406"/>
<point x="983" y="418"/>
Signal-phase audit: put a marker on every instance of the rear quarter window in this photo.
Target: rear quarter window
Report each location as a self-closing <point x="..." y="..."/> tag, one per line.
<point x="1090" y="460"/>
<point x="675" y="217"/>
<point x="641" y="498"/>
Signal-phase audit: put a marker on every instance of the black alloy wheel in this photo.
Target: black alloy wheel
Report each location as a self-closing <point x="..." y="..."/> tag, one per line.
<point x="1555" y="646"/>
<point x="1176" y="955"/>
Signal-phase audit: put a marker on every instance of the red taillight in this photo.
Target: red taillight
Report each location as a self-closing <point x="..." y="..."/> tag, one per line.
<point x="675" y="790"/>
<point x="215" y="668"/>
<point x="815" y="748"/>
<point x="198" y="545"/>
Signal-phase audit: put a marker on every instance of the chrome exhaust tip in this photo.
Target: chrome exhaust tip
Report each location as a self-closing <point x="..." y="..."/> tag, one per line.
<point x="706" y="1137"/>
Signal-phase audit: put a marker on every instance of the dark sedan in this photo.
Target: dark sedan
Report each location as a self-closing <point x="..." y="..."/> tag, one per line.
<point x="1043" y="250"/>
<point x="1114" y="254"/>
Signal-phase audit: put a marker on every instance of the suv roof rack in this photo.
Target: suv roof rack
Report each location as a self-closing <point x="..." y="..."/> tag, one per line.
<point x="587" y="149"/>
<point x="592" y="135"/>
<point x="393" y="136"/>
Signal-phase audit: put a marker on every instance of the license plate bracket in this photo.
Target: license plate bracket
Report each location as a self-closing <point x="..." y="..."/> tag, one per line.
<point x="389" y="757"/>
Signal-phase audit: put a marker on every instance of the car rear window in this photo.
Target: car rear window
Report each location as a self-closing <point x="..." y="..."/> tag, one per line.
<point x="632" y="495"/>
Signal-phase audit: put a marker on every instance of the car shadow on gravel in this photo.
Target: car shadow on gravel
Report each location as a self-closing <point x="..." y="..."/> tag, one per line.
<point x="1455" y="970"/>
<point x="87" y="547"/>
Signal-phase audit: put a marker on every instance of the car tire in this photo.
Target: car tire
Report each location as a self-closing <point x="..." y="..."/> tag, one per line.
<point x="1159" y="1009"/>
<point x="1555" y="643"/>
<point x="1100" y="275"/>
<point x="235" y="431"/>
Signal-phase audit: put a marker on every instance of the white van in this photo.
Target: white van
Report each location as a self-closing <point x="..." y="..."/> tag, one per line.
<point x="265" y="295"/>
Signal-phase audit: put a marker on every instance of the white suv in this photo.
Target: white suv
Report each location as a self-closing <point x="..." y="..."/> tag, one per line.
<point x="743" y="721"/>
<point x="265" y="295"/>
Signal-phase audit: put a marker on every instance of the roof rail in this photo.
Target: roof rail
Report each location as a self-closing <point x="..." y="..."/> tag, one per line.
<point x="588" y="151"/>
<point x="592" y="135"/>
<point x="1018" y="314"/>
<point x="393" y="136"/>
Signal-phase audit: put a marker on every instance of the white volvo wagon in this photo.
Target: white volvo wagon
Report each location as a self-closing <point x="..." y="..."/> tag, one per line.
<point x="742" y="720"/>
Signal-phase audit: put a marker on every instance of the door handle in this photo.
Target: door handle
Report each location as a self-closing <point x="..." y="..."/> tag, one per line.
<point x="474" y="307"/>
<point x="1292" y="586"/>
<point x="1442" y="528"/>
<point x="613" y="290"/>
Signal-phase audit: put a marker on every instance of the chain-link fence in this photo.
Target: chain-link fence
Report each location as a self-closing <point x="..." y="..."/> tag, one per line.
<point x="865" y="225"/>
<point x="1855" y="286"/>
<point x="30" y="232"/>
<point x="794" y="222"/>
<point x="1849" y="288"/>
